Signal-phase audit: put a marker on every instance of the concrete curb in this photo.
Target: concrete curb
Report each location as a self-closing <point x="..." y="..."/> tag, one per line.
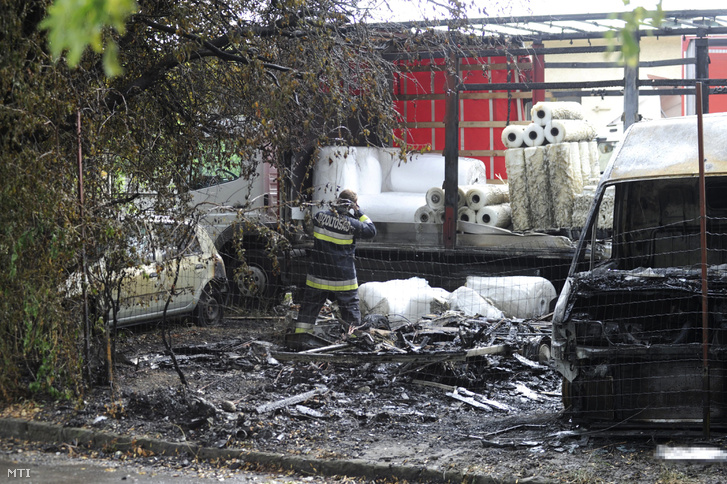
<point x="34" y="431"/>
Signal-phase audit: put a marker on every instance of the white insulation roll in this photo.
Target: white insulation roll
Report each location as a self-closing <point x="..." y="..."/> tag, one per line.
<point x="585" y="158"/>
<point x="466" y="214"/>
<point x="512" y="136"/>
<point x="593" y="156"/>
<point x="495" y="215"/>
<point x="517" y="296"/>
<point x="566" y="182"/>
<point x="517" y="183"/>
<point x="534" y="135"/>
<point x="435" y="198"/>
<point x="563" y="130"/>
<point x="424" y="215"/>
<point x="483" y="194"/>
<point x="539" y="189"/>
<point x="461" y="197"/>
<point x="544" y="112"/>
<point x="439" y="216"/>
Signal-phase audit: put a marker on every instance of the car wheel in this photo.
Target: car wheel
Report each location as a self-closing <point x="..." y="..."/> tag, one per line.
<point x="210" y="308"/>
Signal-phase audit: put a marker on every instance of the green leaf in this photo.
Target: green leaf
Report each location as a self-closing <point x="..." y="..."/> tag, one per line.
<point x="74" y="25"/>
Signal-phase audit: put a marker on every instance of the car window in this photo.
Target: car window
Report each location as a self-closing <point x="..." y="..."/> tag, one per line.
<point x="141" y="245"/>
<point x="177" y="240"/>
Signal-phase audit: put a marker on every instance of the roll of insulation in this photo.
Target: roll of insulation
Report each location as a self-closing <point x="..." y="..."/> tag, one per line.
<point x="461" y="197"/>
<point x="539" y="190"/>
<point x="435" y="198"/>
<point x="439" y="216"/>
<point x="512" y="136"/>
<point x="495" y="215"/>
<point x="563" y="130"/>
<point x="466" y="214"/>
<point x="564" y="183"/>
<point x="593" y="156"/>
<point x="424" y="215"/>
<point x="544" y="112"/>
<point x="585" y="161"/>
<point x="533" y="135"/>
<point x="480" y="195"/>
<point x="517" y="184"/>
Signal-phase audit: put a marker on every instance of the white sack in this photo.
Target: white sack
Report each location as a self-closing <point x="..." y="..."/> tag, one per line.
<point x="472" y="304"/>
<point x="521" y="297"/>
<point x="421" y="172"/>
<point x="401" y="299"/>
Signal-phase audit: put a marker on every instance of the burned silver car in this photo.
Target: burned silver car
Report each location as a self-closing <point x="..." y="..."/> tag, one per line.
<point x="629" y="335"/>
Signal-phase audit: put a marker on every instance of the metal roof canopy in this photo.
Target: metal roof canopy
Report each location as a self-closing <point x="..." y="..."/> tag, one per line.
<point x="507" y="36"/>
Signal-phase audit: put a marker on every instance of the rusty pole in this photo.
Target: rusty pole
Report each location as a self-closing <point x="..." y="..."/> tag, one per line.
<point x="82" y="215"/>
<point x="703" y="244"/>
<point x="451" y="153"/>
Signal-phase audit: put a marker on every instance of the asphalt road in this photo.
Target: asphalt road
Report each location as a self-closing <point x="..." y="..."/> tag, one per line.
<point x="37" y="467"/>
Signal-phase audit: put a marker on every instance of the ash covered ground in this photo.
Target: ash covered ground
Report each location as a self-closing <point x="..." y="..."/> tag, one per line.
<point x="495" y="414"/>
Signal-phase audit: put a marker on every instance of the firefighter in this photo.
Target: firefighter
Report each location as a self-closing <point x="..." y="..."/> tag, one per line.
<point x="332" y="271"/>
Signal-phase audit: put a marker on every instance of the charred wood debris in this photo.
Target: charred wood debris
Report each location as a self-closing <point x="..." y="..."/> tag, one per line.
<point x="396" y="372"/>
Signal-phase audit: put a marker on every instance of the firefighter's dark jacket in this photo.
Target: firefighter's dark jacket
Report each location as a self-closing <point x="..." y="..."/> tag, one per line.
<point x="332" y="265"/>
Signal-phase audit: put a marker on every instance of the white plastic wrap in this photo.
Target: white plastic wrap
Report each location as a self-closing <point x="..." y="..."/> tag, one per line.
<point x="539" y="190"/>
<point x="397" y="207"/>
<point x="517" y="183"/>
<point x="517" y="296"/>
<point x="421" y="172"/>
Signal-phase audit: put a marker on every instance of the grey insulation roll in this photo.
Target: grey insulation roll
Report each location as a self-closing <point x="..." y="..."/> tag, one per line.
<point x="539" y="189"/>
<point x="566" y="183"/>
<point x="480" y="195"/>
<point x="563" y="130"/>
<point x="594" y="156"/>
<point x="585" y="158"/>
<point x="495" y="215"/>
<point x="424" y="215"/>
<point x="544" y="112"/>
<point x="582" y="204"/>
<point x="435" y="198"/>
<point x="466" y="214"/>
<point x="517" y="183"/>
<point x="512" y="136"/>
<point x="533" y="135"/>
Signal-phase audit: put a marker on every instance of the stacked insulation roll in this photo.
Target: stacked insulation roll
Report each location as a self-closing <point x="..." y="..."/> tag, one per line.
<point x="472" y="200"/>
<point x="558" y="156"/>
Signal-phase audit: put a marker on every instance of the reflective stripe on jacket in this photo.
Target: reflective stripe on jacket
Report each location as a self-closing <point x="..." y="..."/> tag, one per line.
<point x="332" y="265"/>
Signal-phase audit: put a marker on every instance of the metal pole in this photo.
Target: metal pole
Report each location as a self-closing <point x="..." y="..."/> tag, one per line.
<point x="631" y="93"/>
<point x="84" y="291"/>
<point x="703" y="243"/>
<point x="451" y="154"/>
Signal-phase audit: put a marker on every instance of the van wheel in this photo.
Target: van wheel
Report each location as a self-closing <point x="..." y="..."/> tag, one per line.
<point x="256" y="281"/>
<point x="210" y="308"/>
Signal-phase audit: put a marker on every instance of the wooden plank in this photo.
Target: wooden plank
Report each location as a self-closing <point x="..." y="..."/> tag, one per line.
<point x="465" y="95"/>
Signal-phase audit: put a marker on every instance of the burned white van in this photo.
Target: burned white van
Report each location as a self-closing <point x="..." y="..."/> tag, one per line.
<point x="628" y="334"/>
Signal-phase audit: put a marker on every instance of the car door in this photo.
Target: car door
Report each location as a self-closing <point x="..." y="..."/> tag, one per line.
<point x="182" y="266"/>
<point x="141" y="291"/>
